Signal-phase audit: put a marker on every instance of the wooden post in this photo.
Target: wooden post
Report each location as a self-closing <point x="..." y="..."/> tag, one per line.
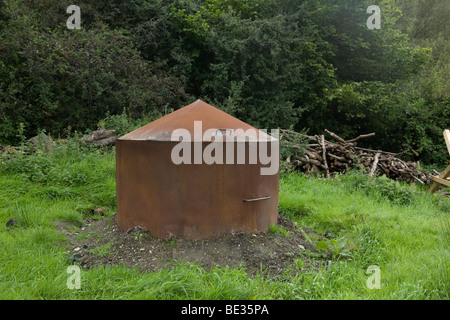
<point x="441" y="180"/>
<point x="447" y="139"/>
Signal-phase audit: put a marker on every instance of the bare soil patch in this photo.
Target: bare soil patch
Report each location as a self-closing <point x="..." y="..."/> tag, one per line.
<point x="102" y="242"/>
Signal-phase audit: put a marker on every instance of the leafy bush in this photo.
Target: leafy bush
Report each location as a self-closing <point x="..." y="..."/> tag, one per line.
<point x="400" y="117"/>
<point x="381" y="187"/>
<point x="123" y="123"/>
<point x="35" y="166"/>
<point x="53" y="78"/>
<point x="299" y="64"/>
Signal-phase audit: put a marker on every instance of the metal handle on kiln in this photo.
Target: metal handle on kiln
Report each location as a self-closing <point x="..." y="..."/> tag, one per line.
<point x="257" y="199"/>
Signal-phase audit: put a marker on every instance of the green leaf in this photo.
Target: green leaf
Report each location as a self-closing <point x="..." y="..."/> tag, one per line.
<point x="321" y="245"/>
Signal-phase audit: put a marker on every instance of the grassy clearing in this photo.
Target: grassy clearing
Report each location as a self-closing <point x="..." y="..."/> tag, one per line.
<point x="377" y="222"/>
<point x="374" y="221"/>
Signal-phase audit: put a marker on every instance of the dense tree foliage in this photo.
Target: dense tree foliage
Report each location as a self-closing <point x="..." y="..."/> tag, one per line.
<point x="292" y="63"/>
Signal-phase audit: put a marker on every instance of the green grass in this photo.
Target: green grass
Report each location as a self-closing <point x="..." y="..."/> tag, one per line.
<point x="276" y="229"/>
<point x="406" y="235"/>
<point x="396" y="227"/>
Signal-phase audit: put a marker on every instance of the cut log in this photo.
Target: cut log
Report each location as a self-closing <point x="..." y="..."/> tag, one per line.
<point x="375" y="164"/>
<point x="105" y="142"/>
<point x="100" y="137"/>
<point x="336" y="157"/>
<point x="324" y="155"/>
<point x="335" y="136"/>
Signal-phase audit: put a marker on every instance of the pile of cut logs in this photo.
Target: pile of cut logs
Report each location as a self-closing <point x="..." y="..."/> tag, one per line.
<point x="320" y="155"/>
<point x="100" y="137"/>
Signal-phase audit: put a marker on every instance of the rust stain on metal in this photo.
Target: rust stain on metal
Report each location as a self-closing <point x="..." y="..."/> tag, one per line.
<point x="191" y="201"/>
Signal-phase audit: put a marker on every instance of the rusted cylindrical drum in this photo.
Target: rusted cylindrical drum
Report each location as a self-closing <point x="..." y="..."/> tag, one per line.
<point x="167" y="184"/>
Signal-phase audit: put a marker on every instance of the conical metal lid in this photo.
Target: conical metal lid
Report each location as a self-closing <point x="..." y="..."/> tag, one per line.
<point x="195" y="119"/>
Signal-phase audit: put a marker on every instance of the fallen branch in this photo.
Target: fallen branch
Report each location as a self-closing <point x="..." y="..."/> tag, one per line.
<point x="376" y="151"/>
<point x="363" y="136"/>
<point x="417" y="179"/>
<point x="335" y="136"/>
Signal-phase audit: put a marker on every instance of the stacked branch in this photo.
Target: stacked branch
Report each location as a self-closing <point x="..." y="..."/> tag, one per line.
<point x="319" y="155"/>
<point x="100" y="137"/>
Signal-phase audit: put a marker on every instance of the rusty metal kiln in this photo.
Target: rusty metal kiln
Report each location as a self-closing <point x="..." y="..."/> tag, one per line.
<point x="194" y="200"/>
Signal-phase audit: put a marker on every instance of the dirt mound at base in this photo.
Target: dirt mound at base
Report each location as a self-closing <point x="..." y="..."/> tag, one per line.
<point x="101" y="242"/>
